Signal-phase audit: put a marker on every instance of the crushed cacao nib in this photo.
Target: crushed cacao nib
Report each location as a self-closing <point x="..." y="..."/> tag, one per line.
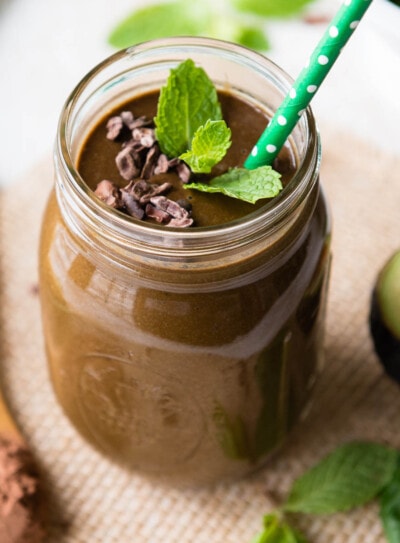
<point x="162" y="165"/>
<point x="130" y="122"/>
<point x="183" y="222"/>
<point x="142" y="191"/>
<point x="157" y="214"/>
<point x="109" y="193"/>
<point x="114" y="127"/>
<point x="128" y="162"/>
<point x="142" y="200"/>
<point x="176" y="215"/>
<point x="183" y="171"/>
<point x="131" y="205"/>
<point x="145" y="136"/>
<point x="123" y="123"/>
<point x="150" y="162"/>
<point x="171" y="207"/>
<point x="138" y="160"/>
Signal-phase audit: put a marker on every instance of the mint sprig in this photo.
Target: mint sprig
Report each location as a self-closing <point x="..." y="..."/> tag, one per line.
<point x="189" y="125"/>
<point x="352" y="475"/>
<point x="240" y="21"/>
<point x="208" y="147"/>
<point x="159" y="21"/>
<point x="187" y="101"/>
<point x="247" y="185"/>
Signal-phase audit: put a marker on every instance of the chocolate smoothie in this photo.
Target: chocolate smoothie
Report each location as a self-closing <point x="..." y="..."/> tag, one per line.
<point x="97" y="160"/>
<point x="190" y="355"/>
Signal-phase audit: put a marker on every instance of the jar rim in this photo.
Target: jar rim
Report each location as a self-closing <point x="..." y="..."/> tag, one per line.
<point x="118" y="223"/>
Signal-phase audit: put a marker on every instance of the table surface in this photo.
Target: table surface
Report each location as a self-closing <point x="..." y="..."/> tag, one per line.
<point x="46" y="46"/>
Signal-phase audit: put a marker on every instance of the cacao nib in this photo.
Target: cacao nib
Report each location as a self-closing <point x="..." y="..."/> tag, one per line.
<point x="151" y="162"/>
<point x="127" y="163"/>
<point x="162" y="164"/>
<point x="130" y="122"/>
<point x="183" y="171"/>
<point x="137" y="188"/>
<point x="138" y="161"/>
<point x="131" y="205"/>
<point x="184" y="222"/>
<point x="171" y="207"/>
<point x="141" y="190"/>
<point x="144" y="135"/>
<point x="179" y="216"/>
<point x="114" y="127"/>
<point x="157" y="214"/>
<point x="108" y="192"/>
<point x="154" y="190"/>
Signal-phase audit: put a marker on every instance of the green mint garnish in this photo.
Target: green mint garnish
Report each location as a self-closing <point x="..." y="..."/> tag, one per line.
<point x="187" y="101"/>
<point x="208" y="147"/>
<point x="159" y="21"/>
<point x="253" y="37"/>
<point x="390" y="507"/>
<point x="277" y="531"/>
<point x="349" y="477"/>
<point x="240" y="21"/>
<point x="247" y="185"/>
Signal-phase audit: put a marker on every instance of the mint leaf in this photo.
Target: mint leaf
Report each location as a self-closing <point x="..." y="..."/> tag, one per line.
<point x="277" y="531"/>
<point x="247" y="185"/>
<point x="159" y="21"/>
<point x="252" y="37"/>
<point x="186" y="102"/>
<point x="209" y="145"/>
<point x="271" y="8"/>
<point x="350" y="476"/>
<point x="186" y="19"/>
<point x="390" y="507"/>
<point x="230" y="26"/>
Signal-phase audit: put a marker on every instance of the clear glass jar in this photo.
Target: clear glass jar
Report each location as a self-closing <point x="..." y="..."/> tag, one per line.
<point x="184" y="353"/>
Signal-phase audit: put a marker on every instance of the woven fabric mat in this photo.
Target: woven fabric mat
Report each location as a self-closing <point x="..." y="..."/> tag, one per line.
<point x="93" y="501"/>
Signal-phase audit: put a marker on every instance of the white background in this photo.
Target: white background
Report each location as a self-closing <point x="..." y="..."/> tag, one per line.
<point x="46" y="46"/>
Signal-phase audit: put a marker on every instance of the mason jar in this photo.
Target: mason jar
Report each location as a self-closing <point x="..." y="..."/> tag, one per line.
<point x="184" y="354"/>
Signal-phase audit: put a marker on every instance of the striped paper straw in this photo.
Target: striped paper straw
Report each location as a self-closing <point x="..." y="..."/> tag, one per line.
<point x="307" y="84"/>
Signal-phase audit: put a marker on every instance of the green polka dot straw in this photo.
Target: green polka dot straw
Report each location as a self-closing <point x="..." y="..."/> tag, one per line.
<point x="307" y="84"/>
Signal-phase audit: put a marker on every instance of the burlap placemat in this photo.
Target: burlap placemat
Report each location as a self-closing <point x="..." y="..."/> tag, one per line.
<point x="93" y="501"/>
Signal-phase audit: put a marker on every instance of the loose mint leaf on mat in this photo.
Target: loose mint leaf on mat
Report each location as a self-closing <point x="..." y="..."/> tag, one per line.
<point x="159" y="21"/>
<point x="186" y="102"/>
<point x="390" y="507"/>
<point x="350" y="476"/>
<point x="247" y="185"/>
<point x="277" y="531"/>
<point x="209" y="145"/>
<point x="271" y="8"/>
